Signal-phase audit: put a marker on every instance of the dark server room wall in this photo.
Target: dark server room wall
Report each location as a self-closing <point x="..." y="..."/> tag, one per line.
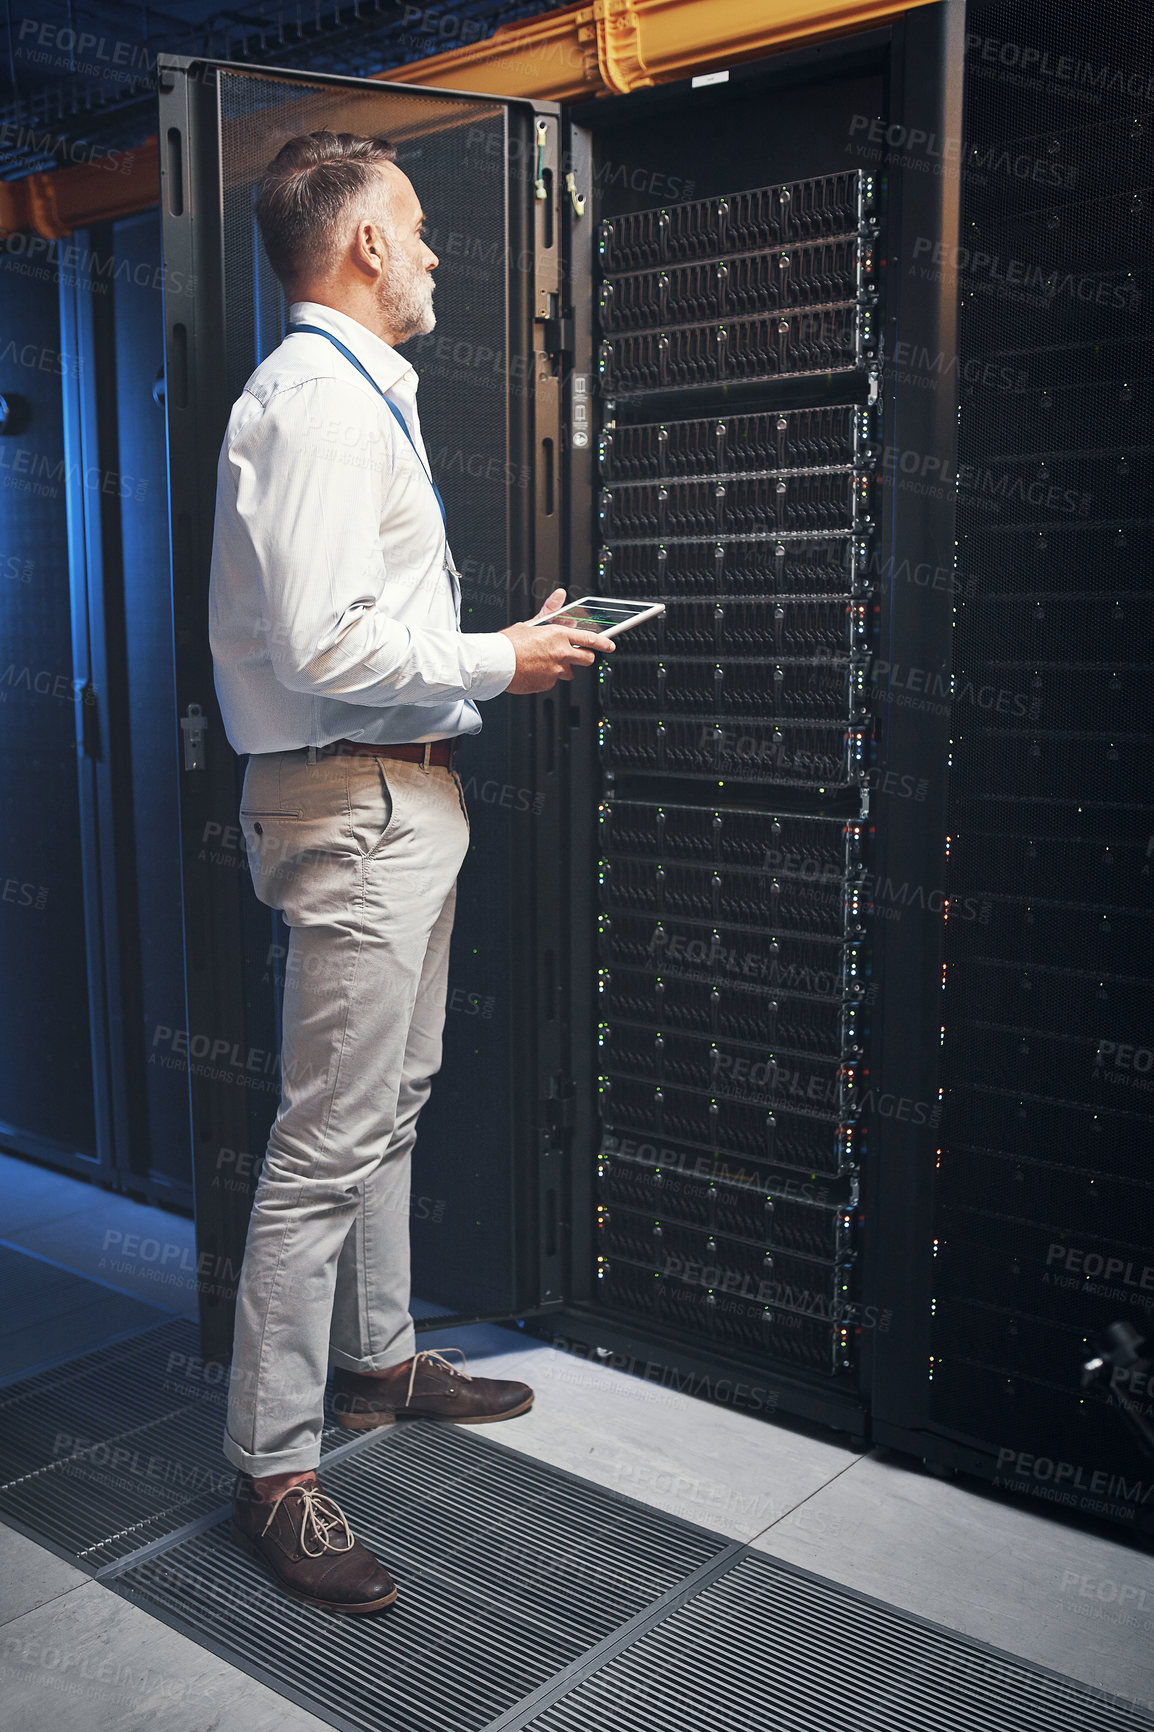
<point x="46" y="1091"/>
<point x="737" y="363"/>
<point x="1044" y="1205"/>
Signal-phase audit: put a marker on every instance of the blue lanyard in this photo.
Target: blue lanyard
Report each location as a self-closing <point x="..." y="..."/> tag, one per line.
<point x="316" y="331"/>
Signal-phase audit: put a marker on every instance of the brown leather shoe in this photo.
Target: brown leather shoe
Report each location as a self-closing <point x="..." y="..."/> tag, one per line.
<point x="304" y="1539"/>
<point x="427" y="1386"/>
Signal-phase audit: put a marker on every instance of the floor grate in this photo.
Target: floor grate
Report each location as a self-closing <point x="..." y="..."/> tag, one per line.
<point x="509" y="1571"/>
<point x="770" y="1647"/>
<point x="118" y="1448"/>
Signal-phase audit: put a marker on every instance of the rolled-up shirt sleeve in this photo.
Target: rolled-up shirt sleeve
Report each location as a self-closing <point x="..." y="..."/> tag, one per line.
<point x="311" y="503"/>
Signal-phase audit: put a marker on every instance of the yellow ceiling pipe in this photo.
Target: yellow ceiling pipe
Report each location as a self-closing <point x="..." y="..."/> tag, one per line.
<point x="607" y="48"/>
<point x="614" y="46"/>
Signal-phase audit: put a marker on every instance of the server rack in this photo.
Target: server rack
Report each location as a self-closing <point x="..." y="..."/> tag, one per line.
<point x="731" y="935"/>
<point x="748" y="1215"/>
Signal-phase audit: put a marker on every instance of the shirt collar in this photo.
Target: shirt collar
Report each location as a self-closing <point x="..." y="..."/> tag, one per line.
<point x="386" y="365"/>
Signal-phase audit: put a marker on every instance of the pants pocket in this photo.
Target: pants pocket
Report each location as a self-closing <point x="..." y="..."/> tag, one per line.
<point x="460" y="787"/>
<point x="272" y="840"/>
<point x="262" y="795"/>
<point x="371" y="805"/>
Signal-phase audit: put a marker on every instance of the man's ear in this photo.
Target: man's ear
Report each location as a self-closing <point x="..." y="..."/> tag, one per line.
<point x="371" y="243"/>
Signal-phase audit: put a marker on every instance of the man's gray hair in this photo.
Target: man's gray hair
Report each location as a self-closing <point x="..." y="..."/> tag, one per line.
<point x="306" y="189"/>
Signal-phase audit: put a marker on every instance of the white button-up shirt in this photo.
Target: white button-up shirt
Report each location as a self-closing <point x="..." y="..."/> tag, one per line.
<point x="334" y="608"/>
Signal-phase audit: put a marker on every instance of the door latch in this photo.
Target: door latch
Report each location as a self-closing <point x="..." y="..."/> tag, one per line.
<point x="558" y="336"/>
<point x="560" y="1104"/>
<point x="192" y="725"/>
<point x="539" y="189"/>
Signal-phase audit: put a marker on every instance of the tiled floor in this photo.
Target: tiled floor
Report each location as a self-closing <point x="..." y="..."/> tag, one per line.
<point x="76" y="1658"/>
<point x="145" y="1252"/>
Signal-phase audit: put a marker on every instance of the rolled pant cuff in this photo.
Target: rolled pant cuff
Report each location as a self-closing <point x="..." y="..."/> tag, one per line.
<point x="378" y="1361"/>
<point x="305" y="1460"/>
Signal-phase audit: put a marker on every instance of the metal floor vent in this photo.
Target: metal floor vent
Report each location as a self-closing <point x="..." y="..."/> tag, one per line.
<point x="509" y="1571"/>
<point x="118" y="1448"/>
<point x="530" y="1599"/>
<point x="770" y="1648"/>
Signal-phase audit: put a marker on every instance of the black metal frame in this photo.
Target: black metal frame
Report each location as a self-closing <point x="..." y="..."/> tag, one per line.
<point x="915" y="631"/>
<point x="198" y="406"/>
<point x="99" y="670"/>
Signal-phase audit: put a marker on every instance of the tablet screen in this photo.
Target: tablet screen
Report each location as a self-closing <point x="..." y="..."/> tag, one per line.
<point x="593" y="616"/>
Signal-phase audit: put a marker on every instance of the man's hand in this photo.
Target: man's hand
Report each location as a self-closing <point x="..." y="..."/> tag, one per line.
<point x="548" y="653"/>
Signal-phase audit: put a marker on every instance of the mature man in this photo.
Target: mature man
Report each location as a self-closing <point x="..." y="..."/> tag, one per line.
<point x="343" y="673"/>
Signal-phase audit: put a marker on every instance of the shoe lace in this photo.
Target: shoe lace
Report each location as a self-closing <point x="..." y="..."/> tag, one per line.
<point x="434" y="1357"/>
<point x="321" y="1519"/>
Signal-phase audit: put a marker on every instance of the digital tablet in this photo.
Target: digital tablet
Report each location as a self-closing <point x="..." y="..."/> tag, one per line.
<point x="601" y="614"/>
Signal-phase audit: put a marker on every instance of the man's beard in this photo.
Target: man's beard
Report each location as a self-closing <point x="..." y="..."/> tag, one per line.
<point x="406" y="293"/>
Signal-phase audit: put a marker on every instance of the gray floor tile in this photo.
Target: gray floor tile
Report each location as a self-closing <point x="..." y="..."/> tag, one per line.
<point x="146" y="1252"/>
<point x="1080" y="1604"/>
<point x="705" y="1463"/>
<point x="58" y="1314"/>
<point x="30" y="1575"/>
<point x="139" y="1250"/>
<point x="32" y="1194"/>
<point x="90" y="1662"/>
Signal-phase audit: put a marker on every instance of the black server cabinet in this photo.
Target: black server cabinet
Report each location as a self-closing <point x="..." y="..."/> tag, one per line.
<point x="752" y="1196"/>
<point x="1043" y="1205"/>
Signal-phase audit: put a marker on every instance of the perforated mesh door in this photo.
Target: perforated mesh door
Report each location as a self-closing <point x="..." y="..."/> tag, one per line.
<point x="455" y="154"/>
<point x="1044" y="1205"/>
<point x="455" y="151"/>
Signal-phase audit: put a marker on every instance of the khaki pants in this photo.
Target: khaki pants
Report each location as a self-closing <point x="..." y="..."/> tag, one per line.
<point x="362" y="856"/>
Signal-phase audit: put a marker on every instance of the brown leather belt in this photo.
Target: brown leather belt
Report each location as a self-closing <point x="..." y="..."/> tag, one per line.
<point x="438" y="752"/>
